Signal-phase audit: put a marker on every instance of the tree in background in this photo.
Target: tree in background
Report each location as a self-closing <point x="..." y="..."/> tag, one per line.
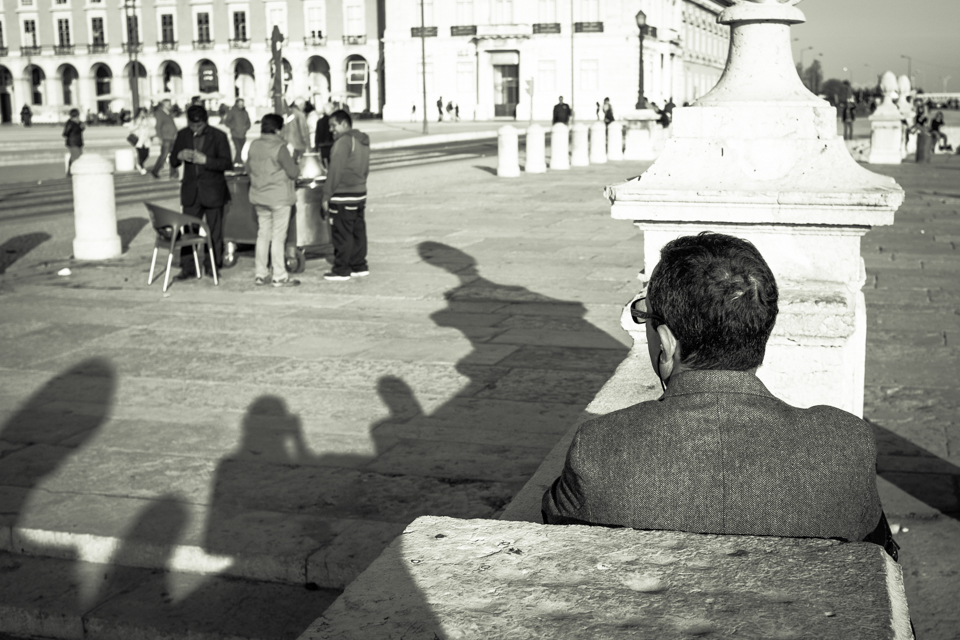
<point x="812" y="76"/>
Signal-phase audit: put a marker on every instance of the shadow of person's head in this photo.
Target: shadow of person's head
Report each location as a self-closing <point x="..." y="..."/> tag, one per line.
<point x="271" y="432"/>
<point x="451" y="259"/>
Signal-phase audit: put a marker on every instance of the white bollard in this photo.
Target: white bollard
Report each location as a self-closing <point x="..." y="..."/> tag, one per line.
<point x="508" y="165"/>
<point x="579" y="153"/>
<point x="560" y="147"/>
<point x="126" y="159"/>
<point x="536" y="150"/>
<point x="94" y="209"/>
<point x="615" y="141"/>
<point x="598" y="143"/>
<point x="638" y="145"/>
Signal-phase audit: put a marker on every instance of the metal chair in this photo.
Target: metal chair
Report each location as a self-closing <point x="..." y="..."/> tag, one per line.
<point x="176" y="230"/>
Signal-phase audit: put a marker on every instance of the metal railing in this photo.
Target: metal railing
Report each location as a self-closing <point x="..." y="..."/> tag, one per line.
<point x="240" y="43"/>
<point x="31" y="51"/>
<point x="100" y="47"/>
<point x="203" y="44"/>
<point x="130" y="47"/>
<point x="63" y="49"/>
<point x="167" y="45"/>
<point x="315" y="41"/>
<point x="355" y="39"/>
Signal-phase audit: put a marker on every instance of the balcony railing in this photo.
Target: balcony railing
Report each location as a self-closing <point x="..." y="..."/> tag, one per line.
<point x="167" y="45"/>
<point x="315" y="41"/>
<point x="240" y="43"/>
<point x="4" y="52"/>
<point x="130" y="47"/>
<point x="588" y="27"/>
<point x="31" y="51"/>
<point x="203" y="44"/>
<point x="63" y="49"/>
<point x="100" y="47"/>
<point x="355" y="39"/>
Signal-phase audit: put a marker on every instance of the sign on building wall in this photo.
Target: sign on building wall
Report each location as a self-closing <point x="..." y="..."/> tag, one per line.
<point x="423" y="32"/>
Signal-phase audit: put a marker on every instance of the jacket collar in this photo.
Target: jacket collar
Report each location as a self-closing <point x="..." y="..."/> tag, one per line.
<point x="689" y="382"/>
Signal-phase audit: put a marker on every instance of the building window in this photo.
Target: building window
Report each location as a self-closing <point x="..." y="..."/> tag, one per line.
<point x="276" y="18"/>
<point x="240" y="25"/>
<point x="167" y="33"/>
<point x="502" y="12"/>
<point x="2" y="45"/>
<point x="353" y="18"/>
<point x="316" y="21"/>
<point x="589" y="75"/>
<point x="26" y="3"/>
<point x="547" y="76"/>
<point x="96" y="30"/>
<point x="63" y="32"/>
<point x="590" y="10"/>
<point x="30" y="32"/>
<point x="548" y="11"/>
<point x="133" y="30"/>
<point x="427" y="12"/>
<point x="466" y="78"/>
<point x="465" y="12"/>
<point x="61" y="1"/>
<point x="203" y="27"/>
<point x="36" y="79"/>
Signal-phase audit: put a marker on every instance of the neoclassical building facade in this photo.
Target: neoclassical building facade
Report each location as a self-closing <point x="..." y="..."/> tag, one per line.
<point x="59" y="54"/>
<point x="514" y="58"/>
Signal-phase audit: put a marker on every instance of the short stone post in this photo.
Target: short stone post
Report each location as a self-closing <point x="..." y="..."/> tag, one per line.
<point x="638" y="145"/>
<point x="598" y="143"/>
<point x="759" y="157"/>
<point x="536" y="150"/>
<point x="94" y="209"/>
<point x="508" y="165"/>
<point x="560" y="147"/>
<point x="125" y="159"/>
<point x="615" y="141"/>
<point x="579" y="151"/>
<point x="886" y="133"/>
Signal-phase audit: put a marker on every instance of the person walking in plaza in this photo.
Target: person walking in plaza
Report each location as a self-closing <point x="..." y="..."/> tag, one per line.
<point x="561" y="112"/>
<point x="718" y="453"/>
<point x="26" y="116"/>
<point x="272" y="174"/>
<point x="440" y="109"/>
<point x="296" y="131"/>
<point x="205" y="153"/>
<point x="849" y="114"/>
<point x="73" y="133"/>
<point x="237" y="120"/>
<point x="607" y="111"/>
<point x="167" y="132"/>
<point x="144" y="128"/>
<point x="345" y="197"/>
<point x="323" y="138"/>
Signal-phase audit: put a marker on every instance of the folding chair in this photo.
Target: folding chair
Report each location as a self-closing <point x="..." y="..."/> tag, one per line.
<point x="176" y="230"/>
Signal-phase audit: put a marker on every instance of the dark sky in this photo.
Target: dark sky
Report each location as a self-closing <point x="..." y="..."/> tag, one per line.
<point x="870" y="36"/>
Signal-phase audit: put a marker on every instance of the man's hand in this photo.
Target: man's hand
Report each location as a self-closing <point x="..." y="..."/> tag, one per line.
<point x="186" y="155"/>
<point x="199" y="157"/>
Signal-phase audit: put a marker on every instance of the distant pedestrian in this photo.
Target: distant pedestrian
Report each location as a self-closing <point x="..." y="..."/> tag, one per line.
<point x="323" y="138"/>
<point x="167" y="132"/>
<point x="607" y="111"/>
<point x="73" y="132"/>
<point x="26" y="116"/>
<point x="938" y="135"/>
<point x="413" y="114"/>
<point x="668" y="109"/>
<point x="296" y="131"/>
<point x="345" y="198"/>
<point x="848" y="115"/>
<point x="272" y="193"/>
<point x="145" y="129"/>
<point x="598" y="111"/>
<point x="237" y="120"/>
<point x="456" y="112"/>
<point x="440" y="109"/>
<point x="561" y="112"/>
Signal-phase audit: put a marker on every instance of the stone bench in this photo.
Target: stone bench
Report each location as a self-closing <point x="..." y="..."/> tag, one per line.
<point x="450" y="578"/>
<point x="953" y="136"/>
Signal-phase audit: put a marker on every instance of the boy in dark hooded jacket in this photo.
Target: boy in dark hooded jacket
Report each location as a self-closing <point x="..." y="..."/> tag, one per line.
<point x="345" y="198"/>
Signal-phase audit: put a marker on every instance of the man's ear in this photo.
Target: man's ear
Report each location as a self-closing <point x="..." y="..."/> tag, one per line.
<point x="669" y="351"/>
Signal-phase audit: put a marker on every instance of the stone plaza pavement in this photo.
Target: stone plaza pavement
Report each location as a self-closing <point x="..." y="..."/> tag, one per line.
<point x="254" y="440"/>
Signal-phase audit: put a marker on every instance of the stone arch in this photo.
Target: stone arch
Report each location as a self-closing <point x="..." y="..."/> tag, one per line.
<point x="318" y="79"/>
<point x="103" y="86"/>
<point x="143" y="87"/>
<point x="7" y="97"/>
<point x="208" y="77"/>
<point x="244" y="80"/>
<point x="358" y="93"/>
<point x="69" y="81"/>
<point x="170" y="79"/>
<point x="287" y="80"/>
<point x="35" y="80"/>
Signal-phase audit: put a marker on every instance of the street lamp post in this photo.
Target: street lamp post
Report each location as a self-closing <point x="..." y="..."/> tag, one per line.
<point x="642" y="25"/>
<point x="909" y="68"/>
<point x="423" y="66"/>
<point x="276" y="49"/>
<point x="133" y="43"/>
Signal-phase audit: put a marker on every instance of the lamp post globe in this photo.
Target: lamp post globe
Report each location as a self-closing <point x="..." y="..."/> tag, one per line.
<point x="642" y="26"/>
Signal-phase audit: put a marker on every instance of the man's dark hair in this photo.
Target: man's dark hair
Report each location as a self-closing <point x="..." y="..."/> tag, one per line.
<point x="196" y="113"/>
<point x="74" y="113"/>
<point x="271" y="123"/>
<point x="719" y="297"/>
<point x="340" y="116"/>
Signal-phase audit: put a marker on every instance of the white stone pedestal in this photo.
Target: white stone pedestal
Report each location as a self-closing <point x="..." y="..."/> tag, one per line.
<point x="559" y="147"/>
<point x="94" y="209"/>
<point x="759" y="157"/>
<point x="615" y="142"/>
<point x="126" y="159"/>
<point x="598" y="143"/>
<point x="885" y="140"/>
<point x="536" y="149"/>
<point x="508" y="154"/>
<point x="638" y="145"/>
<point x="579" y="151"/>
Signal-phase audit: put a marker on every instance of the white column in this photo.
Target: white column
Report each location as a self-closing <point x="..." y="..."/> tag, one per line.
<point x="94" y="209"/>
<point x="536" y="150"/>
<point x="638" y="145"/>
<point x="598" y="143"/>
<point x="560" y="147"/>
<point x="508" y="165"/>
<point x="615" y="141"/>
<point x="579" y="153"/>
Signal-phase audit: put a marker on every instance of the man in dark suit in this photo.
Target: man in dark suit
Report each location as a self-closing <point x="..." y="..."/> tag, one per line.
<point x="718" y="453"/>
<point x="205" y="153"/>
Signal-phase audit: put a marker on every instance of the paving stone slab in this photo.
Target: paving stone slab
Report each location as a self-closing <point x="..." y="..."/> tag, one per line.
<point x="460" y="461"/>
<point x="572" y="387"/>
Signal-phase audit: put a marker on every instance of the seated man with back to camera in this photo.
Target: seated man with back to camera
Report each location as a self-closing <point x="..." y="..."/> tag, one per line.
<point x="718" y="453"/>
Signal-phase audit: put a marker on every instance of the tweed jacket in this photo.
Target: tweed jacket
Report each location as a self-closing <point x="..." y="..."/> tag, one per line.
<point x="718" y="453"/>
<point x="204" y="183"/>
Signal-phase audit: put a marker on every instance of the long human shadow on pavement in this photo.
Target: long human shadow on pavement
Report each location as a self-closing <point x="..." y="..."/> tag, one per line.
<point x="16" y="248"/>
<point x="917" y="471"/>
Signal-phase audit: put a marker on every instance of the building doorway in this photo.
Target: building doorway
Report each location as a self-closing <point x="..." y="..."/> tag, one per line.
<point x="6" y="100"/>
<point x="506" y="90"/>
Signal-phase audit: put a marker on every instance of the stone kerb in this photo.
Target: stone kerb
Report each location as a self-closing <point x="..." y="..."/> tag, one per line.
<point x="759" y="157"/>
<point x="453" y="578"/>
